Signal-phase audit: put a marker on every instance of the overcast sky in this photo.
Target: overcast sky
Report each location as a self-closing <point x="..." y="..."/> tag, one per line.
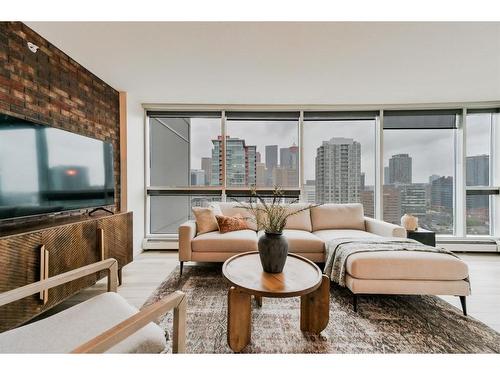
<point x="432" y="151"/>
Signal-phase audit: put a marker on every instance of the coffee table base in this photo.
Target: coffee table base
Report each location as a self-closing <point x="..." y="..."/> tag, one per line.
<point x="314" y="313"/>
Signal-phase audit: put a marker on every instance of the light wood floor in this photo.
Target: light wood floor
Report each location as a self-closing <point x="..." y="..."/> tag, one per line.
<point x="149" y="269"/>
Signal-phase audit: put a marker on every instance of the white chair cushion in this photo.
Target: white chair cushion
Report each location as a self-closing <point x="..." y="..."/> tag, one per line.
<point x="237" y="241"/>
<point x="300" y="241"/>
<point x="330" y="234"/>
<point x="65" y="331"/>
<point x="338" y="216"/>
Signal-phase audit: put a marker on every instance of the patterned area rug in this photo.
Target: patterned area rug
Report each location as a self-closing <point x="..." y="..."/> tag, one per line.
<point x="383" y="324"/>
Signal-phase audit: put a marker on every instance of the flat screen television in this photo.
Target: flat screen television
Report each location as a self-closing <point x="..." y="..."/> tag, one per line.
<point x="46" y="170"/>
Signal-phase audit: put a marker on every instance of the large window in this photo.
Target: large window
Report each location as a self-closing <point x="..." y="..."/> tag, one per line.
<point x="419" y="167"/>
<point x="479" y="171"/>
<point x="433" y="164"/>
<point x="339" y="158"/>
<point x="262" y="149"/>
<point x="181" y="150"/>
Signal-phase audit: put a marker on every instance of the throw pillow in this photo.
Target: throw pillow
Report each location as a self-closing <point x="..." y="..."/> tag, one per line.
<point x="230" y="223"/>
<point x="205" y="219"/>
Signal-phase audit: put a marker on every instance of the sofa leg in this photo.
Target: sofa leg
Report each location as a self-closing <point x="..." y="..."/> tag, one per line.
<point x="464" y="304"/>
<point x="181" y="266"/>
<point x="355" y="302"/>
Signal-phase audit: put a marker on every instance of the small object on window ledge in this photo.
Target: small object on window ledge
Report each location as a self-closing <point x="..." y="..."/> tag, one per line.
<point x="409" y="222"/>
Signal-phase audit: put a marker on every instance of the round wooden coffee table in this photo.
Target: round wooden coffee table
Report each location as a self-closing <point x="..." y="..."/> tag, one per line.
<point x="300" y="277"/>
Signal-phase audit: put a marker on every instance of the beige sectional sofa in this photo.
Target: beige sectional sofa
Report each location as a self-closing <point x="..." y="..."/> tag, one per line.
<point x="399" y="272"/>
<point x="307" y="232"/>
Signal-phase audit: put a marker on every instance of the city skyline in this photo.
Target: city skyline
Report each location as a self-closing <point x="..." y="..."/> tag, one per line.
<point x="338" y="178"/>
<point x="285" y="133"/>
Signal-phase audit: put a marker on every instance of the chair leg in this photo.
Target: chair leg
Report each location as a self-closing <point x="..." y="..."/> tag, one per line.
<point x="181" y="266"/>
<point x="464" y="304"/>
<point x="355" y="302"/>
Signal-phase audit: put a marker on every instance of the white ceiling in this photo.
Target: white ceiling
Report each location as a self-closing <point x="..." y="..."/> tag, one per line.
<point x="305" y="63"/>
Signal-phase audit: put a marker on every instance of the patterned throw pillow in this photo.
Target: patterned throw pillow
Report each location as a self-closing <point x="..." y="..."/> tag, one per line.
<point x="231" y="223"/>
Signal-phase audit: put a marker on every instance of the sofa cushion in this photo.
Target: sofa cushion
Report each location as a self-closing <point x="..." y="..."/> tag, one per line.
<point x="406" y="265"/>
<point x="232" y="209"/>
<point x="231" y="223"/>
<point x="330" y="234"/>
<point x="301" y="220"/>
<point x="301" y="241"/>
<point x="419" y="287"/>
<point x="65" y="331"/>
<point x="239" y="241"/>
<point x="205" y="219"/>
<point x="338" y="216"/>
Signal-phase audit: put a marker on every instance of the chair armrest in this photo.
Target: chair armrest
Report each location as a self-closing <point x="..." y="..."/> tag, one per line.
<point x="383" y="228"/>
<point x="118" y="333"/>
<point x="110" y="264"/>
<point x="187" y="232"/>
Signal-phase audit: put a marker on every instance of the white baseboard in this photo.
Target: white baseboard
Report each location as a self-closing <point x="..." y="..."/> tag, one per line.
<point x="159" y="244"/>
<point x="452" y="245"/>
<point x="470" y="246"/>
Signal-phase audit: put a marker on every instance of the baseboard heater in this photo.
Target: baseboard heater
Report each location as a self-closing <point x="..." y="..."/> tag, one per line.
<point x="160" y="244"/>
<point x="489" y="246"/>
<point x="468" y="246"/>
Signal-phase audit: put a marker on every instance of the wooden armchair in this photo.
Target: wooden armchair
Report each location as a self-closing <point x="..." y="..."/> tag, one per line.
<point x="112" y="321"/>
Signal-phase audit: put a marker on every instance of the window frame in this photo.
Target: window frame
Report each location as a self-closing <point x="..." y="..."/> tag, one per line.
<point x="460" y="154"/>
<point x="492" y="190"/>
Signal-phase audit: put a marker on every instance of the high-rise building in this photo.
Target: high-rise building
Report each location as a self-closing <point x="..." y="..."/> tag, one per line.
<point x="367" y="200"/>
<point x="197" y="177"/>
<point x="216" y="175"/>
<point x="271" y="162"/>
<point x="261" y="173"/>
<point x="285" y="157"/>
<point x="289" y="157"/>
<point x="442" y="194"/>
<point x="400" y="169"/>
<point x="392" y="204"/>
<point x="240" y="162"/>
<point x="362" y="181"/>
<point x="433" y="178"/>
<point x="310" y="191"/>
<point x="478" y="170"/>
<point x="386" y="176"/>
<point x="478" y="174"/>
<point x="285" y="177"/>
<point x="258" y="157"/>
<point x="206" y="165"/>
<point x="288" y="167"/>
<point x="250" y="165"/>
<point x="413" y="199"/>
<point x="338" y="171"/>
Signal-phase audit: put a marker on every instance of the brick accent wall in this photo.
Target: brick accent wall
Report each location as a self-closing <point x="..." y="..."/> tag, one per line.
<point x="51" y="88"/>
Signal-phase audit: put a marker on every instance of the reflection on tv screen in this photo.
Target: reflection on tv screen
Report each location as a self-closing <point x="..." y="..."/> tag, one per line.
<point x="44" y="170"/>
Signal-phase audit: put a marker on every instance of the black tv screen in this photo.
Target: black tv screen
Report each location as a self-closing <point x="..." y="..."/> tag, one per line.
<point x="45" y="170"/>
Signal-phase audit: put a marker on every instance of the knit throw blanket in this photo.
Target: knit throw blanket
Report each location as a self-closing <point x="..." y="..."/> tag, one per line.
<point x="338" y="250"/>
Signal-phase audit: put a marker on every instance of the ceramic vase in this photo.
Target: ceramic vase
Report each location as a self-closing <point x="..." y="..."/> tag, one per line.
<point x="273" y="250"/>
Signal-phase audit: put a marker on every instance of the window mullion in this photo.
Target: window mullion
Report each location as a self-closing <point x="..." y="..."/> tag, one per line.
<point x="223" y="161"/>
<point x="495" y="176"/>
<point x="379" y="167"/>
<point x="302" y="197"/>
<point x="460" y="173"/>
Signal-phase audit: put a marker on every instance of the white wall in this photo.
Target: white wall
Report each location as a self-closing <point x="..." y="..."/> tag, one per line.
<point x="280" y="63"/>
<point x="135" y="167"/>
